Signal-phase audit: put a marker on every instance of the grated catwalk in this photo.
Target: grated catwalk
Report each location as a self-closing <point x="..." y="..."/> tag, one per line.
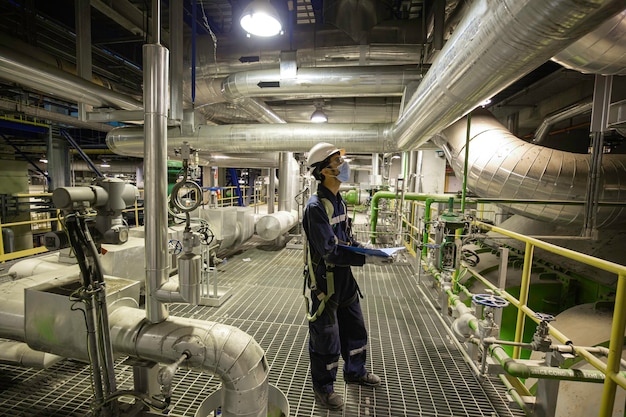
<point x="423" y="372"/>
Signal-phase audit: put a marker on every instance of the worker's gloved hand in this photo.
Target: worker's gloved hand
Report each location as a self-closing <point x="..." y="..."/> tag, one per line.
<point x="378" y="260"/>
<point x="367" y="245"/>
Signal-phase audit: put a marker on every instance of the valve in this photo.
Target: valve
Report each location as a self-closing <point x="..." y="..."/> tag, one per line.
<point x="541" y="338"/>
<point x="490" y="300"/>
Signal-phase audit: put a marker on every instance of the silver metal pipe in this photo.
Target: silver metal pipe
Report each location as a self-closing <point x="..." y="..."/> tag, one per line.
<point x="177" y="73"/>
<point x="261" y="138"/>
<point x="155" y="196"/>
<point x="494" y="45"/>
<point x="502" y="166"/>
<point x="306" y="57"/>
<point x="336" y="82"/>
<point x="20" y="354"/>
<point x="544" y="128"/>
<point x="273" y="225"/>
<point x="599" y="52"/>
<point x="234" y="356"/>
<point x="288" y="172"/>
<point x="33" y="73"/>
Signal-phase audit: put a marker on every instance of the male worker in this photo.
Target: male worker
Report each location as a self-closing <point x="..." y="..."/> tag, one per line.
<point x="336" y="324"/>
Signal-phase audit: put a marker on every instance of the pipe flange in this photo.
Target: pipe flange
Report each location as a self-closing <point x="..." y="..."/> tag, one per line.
<point x="191" y="345"/>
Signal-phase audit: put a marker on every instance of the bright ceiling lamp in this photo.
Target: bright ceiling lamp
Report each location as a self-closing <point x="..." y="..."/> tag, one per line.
<point x="260" y="18"/>
<point x="318" y="115"/>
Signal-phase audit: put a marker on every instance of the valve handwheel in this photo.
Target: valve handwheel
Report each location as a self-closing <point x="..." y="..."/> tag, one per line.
<point x="175" y="246"/>
<point x="490" y="300"/>
<point x="545" y="317"/>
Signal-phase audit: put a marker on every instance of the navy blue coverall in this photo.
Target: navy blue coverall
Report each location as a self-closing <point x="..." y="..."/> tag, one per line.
<point x="340" y="329"/>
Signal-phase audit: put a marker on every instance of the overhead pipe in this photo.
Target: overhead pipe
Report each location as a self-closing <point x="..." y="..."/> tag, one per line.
<point x="494" y="45"/>
<point x="544" y="128"/>
<point x="502" y="166"/>
<point x="599" y="52"/>
<point x="297" y="137"/>
<point x="30" y="72"/>
<point x="474" y="65"/>
<point x="305" y="57"/>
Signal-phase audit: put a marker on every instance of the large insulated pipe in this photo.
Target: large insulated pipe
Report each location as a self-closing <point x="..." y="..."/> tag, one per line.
<point x="273" y="225"/>
<point x="502" y="166"/>
<point x="155" y="149"/>
<point x="33" y="73"/>
<point x="20" y="354"/>
<point x="216" y="348"/>
<point x="242" y="138"/>
<point x="288" y="182"/>
<point x="599" y="52"/>
<point x="495" y="44"/>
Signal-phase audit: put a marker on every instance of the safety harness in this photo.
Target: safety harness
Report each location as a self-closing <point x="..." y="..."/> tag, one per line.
<point x="309" y="271"/>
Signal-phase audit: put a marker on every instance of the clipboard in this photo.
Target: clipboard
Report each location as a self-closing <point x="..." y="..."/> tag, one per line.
<point x="384" y="252"/>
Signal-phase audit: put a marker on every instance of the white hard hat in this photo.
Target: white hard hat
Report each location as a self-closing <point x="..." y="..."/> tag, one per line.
<point x="321" y="151"/>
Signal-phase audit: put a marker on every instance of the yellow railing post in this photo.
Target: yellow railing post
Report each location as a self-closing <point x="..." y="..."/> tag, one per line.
<point x="523" y="297"/>
<point x="616" y="344"/>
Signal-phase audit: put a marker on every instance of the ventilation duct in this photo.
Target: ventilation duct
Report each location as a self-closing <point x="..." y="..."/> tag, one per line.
<point x="502" y="166"/>
<point x="599" y="52"/>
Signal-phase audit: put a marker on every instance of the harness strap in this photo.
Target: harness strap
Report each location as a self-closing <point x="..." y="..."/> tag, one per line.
<point x="330" y="276"/>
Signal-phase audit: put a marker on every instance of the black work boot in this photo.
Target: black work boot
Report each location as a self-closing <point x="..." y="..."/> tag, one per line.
<point x="369" y="379"/>
<point x="330" y="400"/>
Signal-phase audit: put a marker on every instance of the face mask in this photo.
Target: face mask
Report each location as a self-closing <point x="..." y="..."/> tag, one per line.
<point x="344" y="172"/>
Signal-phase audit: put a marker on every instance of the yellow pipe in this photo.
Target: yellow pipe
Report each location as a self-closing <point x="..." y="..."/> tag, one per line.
<point x="616" y="344"/>
<point x="523" y="297"/>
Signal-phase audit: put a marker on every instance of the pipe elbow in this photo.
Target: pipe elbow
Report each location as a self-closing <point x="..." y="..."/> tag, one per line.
<point x="461" y="327"/>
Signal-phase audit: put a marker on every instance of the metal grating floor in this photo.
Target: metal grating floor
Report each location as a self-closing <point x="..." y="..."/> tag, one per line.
<point x="423" y="372"/>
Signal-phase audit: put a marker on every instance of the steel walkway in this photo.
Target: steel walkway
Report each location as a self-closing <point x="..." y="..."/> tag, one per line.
<point x="423" y="372"/>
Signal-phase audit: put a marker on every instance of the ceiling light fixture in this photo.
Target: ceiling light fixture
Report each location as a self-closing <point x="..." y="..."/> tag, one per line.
<point x="260" y="18"/>
<point x="43" y="159"/>
<point x="318" y="115"/>
<point x="105" y="164"/>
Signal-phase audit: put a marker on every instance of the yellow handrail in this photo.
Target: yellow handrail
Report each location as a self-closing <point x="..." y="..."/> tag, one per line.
<point x="611" y="368"/>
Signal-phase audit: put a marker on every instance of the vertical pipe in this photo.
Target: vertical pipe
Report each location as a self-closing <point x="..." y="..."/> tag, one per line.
<point x="523" y="297"/>
<point x="375" y="169"/>
<point x="156" y="22"/>
<point x="285" y="184"/>
<point x="616" y="344"/>
<point x="465" y="163"/>
<point x="176" y="64"/>
<point x="193" y="52"/>
<point x="420" y="166"/>
<point x="411" y="174"/>
<point x="83" y="48"/>
<point x="602" y="88"/>
<point x="155" y="101"/>
<point x="271" y="191"/>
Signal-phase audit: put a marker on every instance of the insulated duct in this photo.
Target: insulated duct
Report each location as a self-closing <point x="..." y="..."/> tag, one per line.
<point x="599" y="52"/>
<point x="18" y="353"/>
<point x="502" y="166"/>
<point x="30" y="72"/>
<point x="297" y="137"/>
<point x="493" y="46"/>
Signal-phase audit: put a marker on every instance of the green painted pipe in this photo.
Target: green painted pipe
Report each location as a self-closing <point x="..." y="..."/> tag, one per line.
<point x="407" y="196"/>
<point x="520" y="370"/>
